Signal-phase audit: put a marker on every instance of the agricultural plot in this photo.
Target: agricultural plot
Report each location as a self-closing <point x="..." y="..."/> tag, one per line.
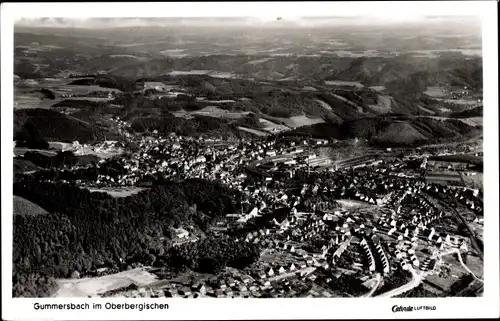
<point x="253" y="131"/>
<point x="377" y="88"/>
<point x="383" y="104"/>
<point x="211" y="111"/>
<point x="324" y="104"/>
<point x="474" y="181"/>
<point x="299" y="121"/>
<point x="343" y="83"/>
<point x="259" y="61"/>
<point x="94" y="286"/>
<point x="436" y="91"/>
<point x="272" y="127"/>
<point x="20" y="151"/>
<point x="119" y="192"/>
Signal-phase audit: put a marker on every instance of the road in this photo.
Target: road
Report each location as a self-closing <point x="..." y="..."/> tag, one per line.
<point x="457" y="251"/>
<point x="418" y="277"/>
<point x="378" y="276"/>
<point x="415" y="281"/>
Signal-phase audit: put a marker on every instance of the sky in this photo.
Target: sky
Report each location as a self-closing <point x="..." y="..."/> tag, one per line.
<point x="292" y="13"/>
<point x="285" y="21"/>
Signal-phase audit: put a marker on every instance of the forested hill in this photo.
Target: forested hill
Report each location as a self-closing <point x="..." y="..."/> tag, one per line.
<point x="393" y="131"/>
<point x="90" y="230"/>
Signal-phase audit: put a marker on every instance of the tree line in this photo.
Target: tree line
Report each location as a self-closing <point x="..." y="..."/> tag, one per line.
<point x="88" y="230"/>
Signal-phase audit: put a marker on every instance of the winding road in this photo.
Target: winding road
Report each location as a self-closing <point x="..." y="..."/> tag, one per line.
<point x="379" y="278"/>
<point x="418" y="277"/>
<point x="415" y="281"/>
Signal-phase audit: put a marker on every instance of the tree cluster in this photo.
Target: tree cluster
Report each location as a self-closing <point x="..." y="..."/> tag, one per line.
<point x="88" y="230"/>
<point x="213" y="253"/>
<point x="62" y="159"/>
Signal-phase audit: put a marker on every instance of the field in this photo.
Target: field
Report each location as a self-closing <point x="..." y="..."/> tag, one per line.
<point x="462" y="102"/>
<point x="253" y="131"/>
<point x="475" y="264"/>
<point x="32" y="100"/>
<point x="434" y="53"/>
<point x="272" y="127"/>
<point x="383" y="105"/>
<point x="435" y="91"/>
<point x="22" y="166"/>
<point x="377" y="88"/>
<point x="259" y="61"/>
<point x="459" y="158"/>
<point x="60" y="145"/>
<point x="91" y="287"/>
<point x="26" y="96"/>
<point x="19" y="151"/>
<point x="473" y="121"/>
<point x="211" y="73"/>
<point x="22" y="206"/>
<point x="428" y="111"/>
<point x="442" y="177"/>
<point x="344" y="83"/>
<point x="351" y="204"/>
<point x="119" y="192"/>
<point x="474" y="181"/>
<point x="324" y="104"/>
<point x="211" y="111"/>
<point x="98" y="99"/>
<point x="298" y="121"/>
<point x="456" y="271"/>
<point x="100" y="154"/>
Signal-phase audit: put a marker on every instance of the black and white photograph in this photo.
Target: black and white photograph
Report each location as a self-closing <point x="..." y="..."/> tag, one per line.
<point x="276" y="155"/>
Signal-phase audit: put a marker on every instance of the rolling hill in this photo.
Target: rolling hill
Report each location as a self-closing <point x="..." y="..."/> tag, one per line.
<point x="393" y="131"/>
<point x="22" y="165"/>
<point x="22" y="206"/>
<point x="50" y="125"/>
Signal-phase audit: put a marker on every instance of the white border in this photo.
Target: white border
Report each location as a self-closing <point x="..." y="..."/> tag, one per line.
<point x="487" y="306"/>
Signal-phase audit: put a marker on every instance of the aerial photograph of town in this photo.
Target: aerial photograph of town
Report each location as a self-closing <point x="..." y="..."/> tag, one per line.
<point x="303" y="157"/>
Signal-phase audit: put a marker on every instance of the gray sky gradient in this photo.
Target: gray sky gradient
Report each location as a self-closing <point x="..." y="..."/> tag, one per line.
<point x="231" y="21"/>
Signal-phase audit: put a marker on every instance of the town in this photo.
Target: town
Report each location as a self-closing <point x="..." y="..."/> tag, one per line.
<point x="372" y="225"/>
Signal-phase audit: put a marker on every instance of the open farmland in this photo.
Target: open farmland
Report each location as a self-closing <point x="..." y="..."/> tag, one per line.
<point x="461" y="102"/>
<point x="435" y="91"/>
<point x="303" y="120"/>
<point x="119" y="191"/>
<point x="383" y="105"/>
<point x="344" y="83"/>
<point x="27" y="95"/>
<point x="211" y="111"/>
<point x="444" y="178"/>
<point x="92" y="287"/>
<point x="24" y="207"/>
<point x="474" y="181"/>
<point x="324" y="104"/>
<point x="471" y="121"/>
<point x="377" y="88"/>
<point x="99" y="153"/>
<point x="20" y="151"/>
<point x="272" y="127"/>
<point x="253" y="131"/>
